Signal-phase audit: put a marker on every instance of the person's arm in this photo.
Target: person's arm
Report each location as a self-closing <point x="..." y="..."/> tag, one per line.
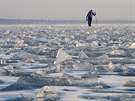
<point x="94" y="13"/>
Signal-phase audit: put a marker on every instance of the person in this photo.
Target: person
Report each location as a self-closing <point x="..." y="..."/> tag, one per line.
<point x="89" y="17"/>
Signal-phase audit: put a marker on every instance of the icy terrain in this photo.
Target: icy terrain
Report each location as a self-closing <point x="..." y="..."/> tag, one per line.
<point x="67" y="62"/>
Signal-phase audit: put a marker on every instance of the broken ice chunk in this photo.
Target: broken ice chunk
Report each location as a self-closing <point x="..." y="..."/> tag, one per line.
<point x="132" y="46"/>
<point x="82" y="55"/>
<point x="62" y="56"/>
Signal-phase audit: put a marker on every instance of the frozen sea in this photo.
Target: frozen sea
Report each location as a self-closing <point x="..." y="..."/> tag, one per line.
<point x="67" y="62"/>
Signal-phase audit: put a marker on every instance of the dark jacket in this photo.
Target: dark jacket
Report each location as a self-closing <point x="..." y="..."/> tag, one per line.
<point x="89" y="15"/>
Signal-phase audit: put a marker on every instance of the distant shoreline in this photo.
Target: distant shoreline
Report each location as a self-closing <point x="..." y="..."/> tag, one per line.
<point x="35" y="21"/>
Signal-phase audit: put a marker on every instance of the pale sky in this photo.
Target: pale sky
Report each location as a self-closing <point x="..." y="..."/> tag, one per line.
<point x="67" y="9"/>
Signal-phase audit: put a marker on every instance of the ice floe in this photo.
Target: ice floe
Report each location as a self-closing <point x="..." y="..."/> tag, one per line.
<point x="80" y="62"/>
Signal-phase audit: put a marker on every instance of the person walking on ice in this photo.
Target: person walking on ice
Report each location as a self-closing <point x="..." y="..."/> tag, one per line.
<point x="89" y="17"/>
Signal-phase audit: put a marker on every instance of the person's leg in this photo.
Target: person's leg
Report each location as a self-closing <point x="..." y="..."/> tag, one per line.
<point x="89" y="22"/>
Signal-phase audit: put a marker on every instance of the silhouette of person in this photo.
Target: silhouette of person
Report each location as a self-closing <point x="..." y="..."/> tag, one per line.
<point x="89" y="17"/>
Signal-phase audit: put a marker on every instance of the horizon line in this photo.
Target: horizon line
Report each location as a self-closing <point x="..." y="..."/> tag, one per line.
<point x="63" y="19"/>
